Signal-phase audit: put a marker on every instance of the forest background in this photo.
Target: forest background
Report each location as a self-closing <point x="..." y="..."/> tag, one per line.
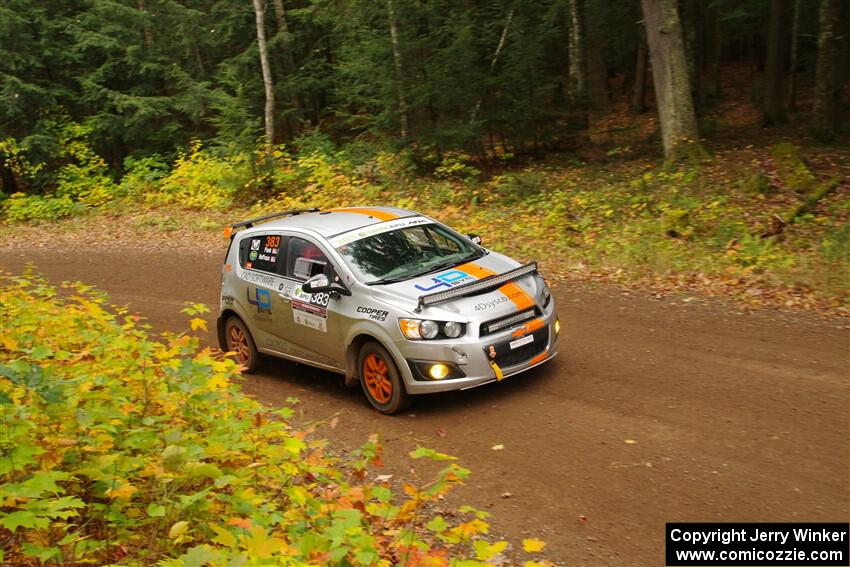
<point x="698" y="142"/>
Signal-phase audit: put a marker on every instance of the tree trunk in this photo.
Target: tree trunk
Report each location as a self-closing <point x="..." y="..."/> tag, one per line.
<point x="402" y="102"/>
<point x="576" y="81"/>
<point x="792" y="69"/>
<point x="259" y="12"/>
<point x="827" y="86"/>
<point x="495" y="59"/>
<point x="716" y="51"/>
<point x="146" y="30"/>
<point x="597" y="71"/>
<point x="690" y="34"/>
<point x="773" y="110"/>
<point x="9" y="184"/>
<point x="679" y="133"/>
<point x="292" y="125"/>
<point x="638" y="94"/>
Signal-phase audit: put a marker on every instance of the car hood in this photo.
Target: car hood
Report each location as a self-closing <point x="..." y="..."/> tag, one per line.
<point x="509" y="298"/>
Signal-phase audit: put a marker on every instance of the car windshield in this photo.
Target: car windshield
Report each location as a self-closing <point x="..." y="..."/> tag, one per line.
<point x="405" y="253"/>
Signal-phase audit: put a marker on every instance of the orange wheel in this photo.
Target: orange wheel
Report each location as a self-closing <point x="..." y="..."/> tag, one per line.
<point x="239" y="340"/>
<point x="381" y="379"/>
<point x="376" y="377"/>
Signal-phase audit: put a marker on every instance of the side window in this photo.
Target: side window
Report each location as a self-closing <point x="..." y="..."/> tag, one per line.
<point x="305" y="260"/>
<point x="261" y="252"/>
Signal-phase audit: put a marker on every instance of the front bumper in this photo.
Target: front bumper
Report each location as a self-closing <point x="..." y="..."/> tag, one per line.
<point x="474" y="357"/>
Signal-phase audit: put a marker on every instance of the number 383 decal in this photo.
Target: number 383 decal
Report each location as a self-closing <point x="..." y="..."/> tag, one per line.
<point x="320" y="299"/>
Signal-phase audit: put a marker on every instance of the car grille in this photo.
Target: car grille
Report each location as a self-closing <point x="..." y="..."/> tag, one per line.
<point x="506" y="322"/>
<point x="525" y="352"/>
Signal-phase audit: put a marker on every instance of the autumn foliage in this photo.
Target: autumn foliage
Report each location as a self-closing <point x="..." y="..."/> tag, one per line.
<point x="124" y="449"/>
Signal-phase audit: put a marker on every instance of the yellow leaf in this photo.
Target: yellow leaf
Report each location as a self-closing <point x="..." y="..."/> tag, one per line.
<point x="198" y="323"/>
<point x="630" y="442"/>
<point x="218" y="381"/>
<point x="178" y="529"/>
<point x="223" y="536"/>
<point x="262" y="546"/>
<point x="533" y="545"/>
<point x="125" y="491"/>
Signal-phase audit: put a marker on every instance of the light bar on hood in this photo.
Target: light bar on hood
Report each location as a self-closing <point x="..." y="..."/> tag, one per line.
<point x="476" y="286"/>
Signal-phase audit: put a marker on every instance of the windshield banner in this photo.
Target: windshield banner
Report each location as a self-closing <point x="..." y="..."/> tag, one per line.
<point x="372" y="230"/>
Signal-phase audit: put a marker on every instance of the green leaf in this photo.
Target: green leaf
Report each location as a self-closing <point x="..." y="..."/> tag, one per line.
<point x="294" y="445"/>
<point x="485" y="550"/>
<point x="63" y="507"/>
<point x="366" y="557"/>
<point x="201" y="555"/>
<point x="437" y="524"/>
<point x="155" y="510"/>
<point x="423" y="452"/>
<point x="383" y="494"/>
<point x="41" y="352"/>
<point x="22" y="518"/>
<point x="43" y="554"/>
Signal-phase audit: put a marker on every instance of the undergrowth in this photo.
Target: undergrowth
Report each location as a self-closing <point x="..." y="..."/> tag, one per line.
<point x="621" y="214"/>
<point x="127" y="450"/>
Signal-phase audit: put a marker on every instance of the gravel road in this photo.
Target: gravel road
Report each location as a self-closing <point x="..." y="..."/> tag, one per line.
<point x="655" y="410"/>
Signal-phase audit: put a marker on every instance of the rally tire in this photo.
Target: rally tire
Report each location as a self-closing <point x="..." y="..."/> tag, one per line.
<point x="381" y="380"/>
<point x="238" y="339"/>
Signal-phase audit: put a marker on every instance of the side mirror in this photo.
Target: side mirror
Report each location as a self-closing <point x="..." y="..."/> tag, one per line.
<point x="474" y="238"/>
<point x="320" y="284"/>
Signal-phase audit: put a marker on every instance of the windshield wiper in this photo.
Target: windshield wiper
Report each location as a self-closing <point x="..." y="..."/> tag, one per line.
<point x="401" y="278"/>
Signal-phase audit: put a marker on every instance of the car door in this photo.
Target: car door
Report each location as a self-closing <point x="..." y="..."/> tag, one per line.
<point x="261" y="261"/>
<point x="311" y="324"/>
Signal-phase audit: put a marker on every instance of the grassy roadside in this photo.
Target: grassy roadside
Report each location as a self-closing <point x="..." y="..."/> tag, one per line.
<point x="616" y="217"/>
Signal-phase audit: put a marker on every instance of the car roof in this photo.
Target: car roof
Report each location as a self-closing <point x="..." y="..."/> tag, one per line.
<point x="336" y="221"/>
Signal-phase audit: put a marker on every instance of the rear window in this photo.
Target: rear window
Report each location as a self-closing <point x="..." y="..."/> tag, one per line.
<point x="261" y="252"/>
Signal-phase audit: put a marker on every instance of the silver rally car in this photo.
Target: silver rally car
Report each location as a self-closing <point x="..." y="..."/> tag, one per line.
<point x="388" y="297"/>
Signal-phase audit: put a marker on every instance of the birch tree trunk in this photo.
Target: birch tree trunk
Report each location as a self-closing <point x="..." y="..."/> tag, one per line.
<point x="773" y="109"/>
<point x="827" y="85"/>
<point x="679" y="133"/>
<point x="576" y="81"/>
<point x="402" y="102"/>
<point x="495" y="59"/>
<point x="259" y="13"/>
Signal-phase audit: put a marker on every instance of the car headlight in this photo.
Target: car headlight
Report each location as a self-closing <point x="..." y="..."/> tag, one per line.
<point x="429" y="329"/>
<point x="418" y="329"/>
<point x="453" y="329"/>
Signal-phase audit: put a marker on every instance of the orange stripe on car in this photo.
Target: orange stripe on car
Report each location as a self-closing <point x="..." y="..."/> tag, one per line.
<point x="380" y="215"/>
<point x="514" y="292"/>
<point x="539" y="358"/>
<point x="529" y="327"/>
